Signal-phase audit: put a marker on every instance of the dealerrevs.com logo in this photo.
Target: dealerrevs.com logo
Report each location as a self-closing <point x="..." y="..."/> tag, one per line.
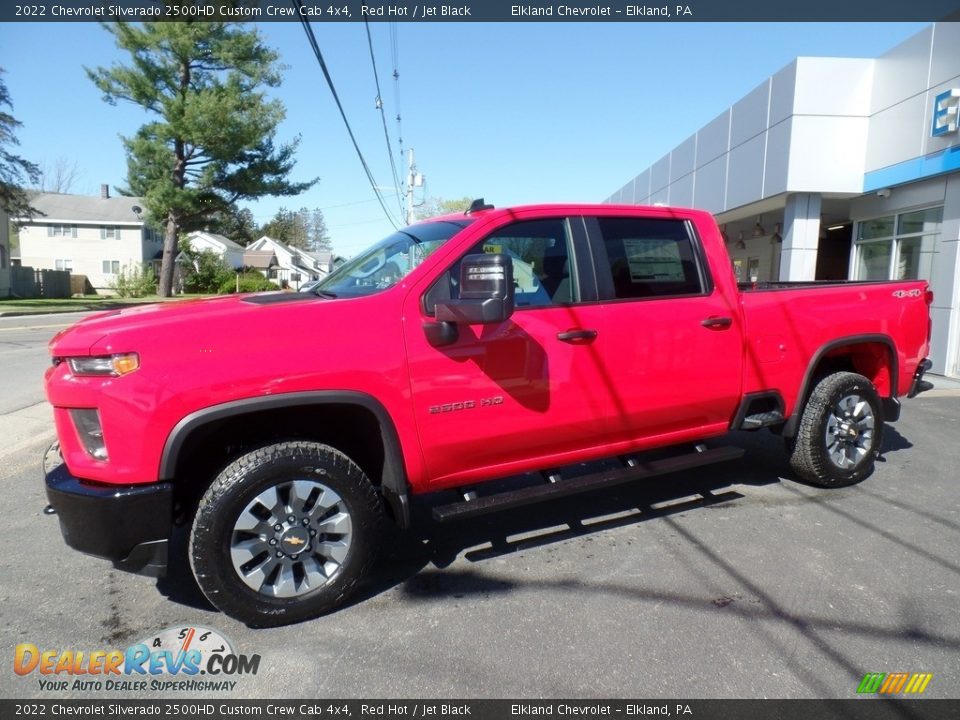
<point x="172" y="660"/>
<point x="894" y="683"/>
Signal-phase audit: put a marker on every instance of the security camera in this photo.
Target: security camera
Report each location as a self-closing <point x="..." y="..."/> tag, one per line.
<point x="885" y="193"/>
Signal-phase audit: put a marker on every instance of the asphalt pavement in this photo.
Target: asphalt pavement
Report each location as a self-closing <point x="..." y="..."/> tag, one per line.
<point x="728" y="581"/>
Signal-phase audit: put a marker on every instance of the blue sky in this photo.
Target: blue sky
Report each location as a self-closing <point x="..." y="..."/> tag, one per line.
<point x="514" y="112"/>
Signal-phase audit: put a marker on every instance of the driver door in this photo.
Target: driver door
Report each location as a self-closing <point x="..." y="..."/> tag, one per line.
<point x="517" y="395"/>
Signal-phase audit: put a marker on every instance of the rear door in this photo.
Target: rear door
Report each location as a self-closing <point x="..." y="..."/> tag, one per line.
<point x="671" y="339"/>
<point x="504" y="396"/>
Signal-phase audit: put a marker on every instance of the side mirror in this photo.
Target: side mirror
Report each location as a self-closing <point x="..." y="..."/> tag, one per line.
<point x="486" y="292"/>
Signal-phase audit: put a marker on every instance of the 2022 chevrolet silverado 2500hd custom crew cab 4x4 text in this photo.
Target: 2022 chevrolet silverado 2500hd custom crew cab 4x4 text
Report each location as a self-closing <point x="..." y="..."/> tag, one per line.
<point x="287" y="429"/>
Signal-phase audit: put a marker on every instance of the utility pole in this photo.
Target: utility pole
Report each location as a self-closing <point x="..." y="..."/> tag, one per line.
<point x="414" y="179"/>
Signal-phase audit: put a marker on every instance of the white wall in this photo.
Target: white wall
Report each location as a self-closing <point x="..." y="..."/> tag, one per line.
<point x="87" y="251"/>
<point x="802" y="130"/>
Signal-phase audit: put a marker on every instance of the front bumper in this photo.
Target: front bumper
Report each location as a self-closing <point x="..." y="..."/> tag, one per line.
<point x="128" y="524"/>
<point x="920" y="385"/>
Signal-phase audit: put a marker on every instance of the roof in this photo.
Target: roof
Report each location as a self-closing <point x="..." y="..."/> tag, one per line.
<point x="85" y="209"/>
<point x="223" y="240"/>
<point x="259" y="259"/>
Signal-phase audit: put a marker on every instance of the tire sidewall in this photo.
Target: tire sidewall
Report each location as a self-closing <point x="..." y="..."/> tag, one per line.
<point x="212" y="533"/>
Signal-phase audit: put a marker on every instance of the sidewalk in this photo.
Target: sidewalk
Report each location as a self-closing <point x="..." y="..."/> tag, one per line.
<point x="24" y="427"/>
<point x="942" y="386"/>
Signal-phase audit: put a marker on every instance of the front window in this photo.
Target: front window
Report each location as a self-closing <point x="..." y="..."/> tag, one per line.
<point x="390" y="260"/>
<point x="897" y="247"/>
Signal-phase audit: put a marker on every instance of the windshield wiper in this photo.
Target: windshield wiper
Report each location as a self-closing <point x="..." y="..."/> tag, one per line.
<point x="323" y="293"/>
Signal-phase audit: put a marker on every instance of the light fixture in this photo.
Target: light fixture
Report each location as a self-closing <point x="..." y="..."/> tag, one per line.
<point x="741" y="245"/>
<point x="777" y="237"/>
<point x="723" y="234"/>
<point x="758" y="228"/>
<point x="836" y="227"/>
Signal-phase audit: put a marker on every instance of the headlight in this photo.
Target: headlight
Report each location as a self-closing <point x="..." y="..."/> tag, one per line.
<point x="109" y="365"/>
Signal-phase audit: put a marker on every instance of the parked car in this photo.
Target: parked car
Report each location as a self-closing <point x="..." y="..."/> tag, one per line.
<point x="456" y="351"/>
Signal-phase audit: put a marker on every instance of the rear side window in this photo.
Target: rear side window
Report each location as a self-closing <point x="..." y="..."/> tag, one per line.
<point x="650" y="258"/>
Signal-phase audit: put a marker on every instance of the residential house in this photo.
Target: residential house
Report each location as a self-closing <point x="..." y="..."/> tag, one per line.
<point x="4" y="255"/>
<point x="97" y="237"/>
<point x="294" y="267"/>
<point x="226" y="248"/>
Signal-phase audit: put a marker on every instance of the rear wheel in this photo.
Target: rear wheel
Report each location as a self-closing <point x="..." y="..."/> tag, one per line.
<point x="285" y="533"/>
<point x="840" y="432"/>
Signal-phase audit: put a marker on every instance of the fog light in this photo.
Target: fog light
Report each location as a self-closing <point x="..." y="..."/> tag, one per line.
<point x="90" y="431"/>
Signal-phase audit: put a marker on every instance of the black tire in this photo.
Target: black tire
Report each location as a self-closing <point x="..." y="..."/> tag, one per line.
<point x="855" y="445"/>
<point x="235" y="498"/>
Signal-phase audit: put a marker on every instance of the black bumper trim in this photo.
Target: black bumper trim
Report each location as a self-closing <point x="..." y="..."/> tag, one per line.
<point x="920" y="385"/>
<point x="128" y="524"/>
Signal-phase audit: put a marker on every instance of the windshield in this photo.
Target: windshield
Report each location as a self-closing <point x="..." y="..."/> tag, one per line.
<point x="386" y="263"/>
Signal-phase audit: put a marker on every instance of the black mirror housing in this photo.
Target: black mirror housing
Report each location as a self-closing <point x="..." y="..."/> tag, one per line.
<point x="486" y="291"/>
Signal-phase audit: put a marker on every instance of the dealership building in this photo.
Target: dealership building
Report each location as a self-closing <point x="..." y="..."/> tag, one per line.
<point x="836" y="168"/>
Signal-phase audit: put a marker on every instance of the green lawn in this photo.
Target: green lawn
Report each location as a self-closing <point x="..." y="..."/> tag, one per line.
<point x="80" y="303"/>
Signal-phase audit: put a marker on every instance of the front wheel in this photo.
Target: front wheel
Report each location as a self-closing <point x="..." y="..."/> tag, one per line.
<point x="285" y="533"/>
<point x="840" y="432"/>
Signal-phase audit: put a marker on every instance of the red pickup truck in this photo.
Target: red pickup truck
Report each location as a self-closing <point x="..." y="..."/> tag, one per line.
<point x="287" y="429"/>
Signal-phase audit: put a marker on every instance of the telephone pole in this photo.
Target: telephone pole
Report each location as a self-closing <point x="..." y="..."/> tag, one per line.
<point x="414" y="179"/>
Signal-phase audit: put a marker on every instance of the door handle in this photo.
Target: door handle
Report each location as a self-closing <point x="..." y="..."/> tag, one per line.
<point x="574" y="335"/>
<point x="717" y="323"/>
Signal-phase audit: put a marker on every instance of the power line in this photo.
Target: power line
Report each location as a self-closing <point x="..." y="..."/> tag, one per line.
<point x="383" y="115"/>
<point x="326" y="74"/>
<point x="395" y="57"/>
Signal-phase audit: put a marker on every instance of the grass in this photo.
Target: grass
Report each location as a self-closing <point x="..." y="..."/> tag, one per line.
<point x="79" y="303"/>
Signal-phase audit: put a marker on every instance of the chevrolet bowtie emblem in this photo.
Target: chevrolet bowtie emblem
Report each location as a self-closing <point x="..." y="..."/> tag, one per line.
<point x="294" y="540"/>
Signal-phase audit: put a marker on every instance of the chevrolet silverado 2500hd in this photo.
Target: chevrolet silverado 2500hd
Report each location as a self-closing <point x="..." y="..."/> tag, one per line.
<point x="287" y="429"/>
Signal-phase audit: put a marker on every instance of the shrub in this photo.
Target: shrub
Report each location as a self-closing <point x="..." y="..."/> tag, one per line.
<point x="135" y="281"/>
<point x="248" y="282"/>
<point x="204" y="271"/>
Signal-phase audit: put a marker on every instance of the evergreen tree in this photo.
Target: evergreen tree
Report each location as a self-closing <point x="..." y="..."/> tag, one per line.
<point x="211" y="143"/>
<point x="16" y="173"/>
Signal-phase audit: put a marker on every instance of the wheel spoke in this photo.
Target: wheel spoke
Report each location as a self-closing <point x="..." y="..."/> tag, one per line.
<point x="300" y="494"/>
<point x="338" y="524"/>
<point x="285" y="584"/>
<point x="335" y="550"/>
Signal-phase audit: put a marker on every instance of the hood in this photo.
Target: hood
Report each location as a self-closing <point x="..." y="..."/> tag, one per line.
<point x="178" y="322"/>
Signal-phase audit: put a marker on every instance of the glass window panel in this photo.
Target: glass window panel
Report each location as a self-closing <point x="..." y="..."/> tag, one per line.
<point x="876" y="228"/>
<point x="915" y="258"/>
<point x="922" y="221"/>
<point x="873" y="260"/>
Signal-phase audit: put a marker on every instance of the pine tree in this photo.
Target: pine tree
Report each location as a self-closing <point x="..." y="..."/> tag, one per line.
<point x="16" y="173"/>
<point x="211" y="143"/>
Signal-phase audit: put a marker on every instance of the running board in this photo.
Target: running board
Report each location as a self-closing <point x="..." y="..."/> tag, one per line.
<point x="560" y="488"/>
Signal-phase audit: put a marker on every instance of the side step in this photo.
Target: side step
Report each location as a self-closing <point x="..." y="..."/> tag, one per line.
<point x="556" y="488"/>
<point x="764" y="419"/>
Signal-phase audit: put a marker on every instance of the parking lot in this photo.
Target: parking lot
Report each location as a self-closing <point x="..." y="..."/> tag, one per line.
<point x="728" y="581"/>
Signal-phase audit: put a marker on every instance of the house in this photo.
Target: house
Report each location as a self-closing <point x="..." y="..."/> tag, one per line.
<point x="4" y="255"/>
<point x="93" y="236"/>
<point x="231" y="252"/>
<point x="294" y="267"/>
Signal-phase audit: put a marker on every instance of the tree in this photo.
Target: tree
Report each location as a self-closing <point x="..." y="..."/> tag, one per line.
<point x="319" y="235"/>
<point x="239" y="226"/>
<point x="58" y="176"/>
<point x="289" y="227"/>
<point x="438" y="206"/>
<point x="16" y="173"/>
<point x="212" y="141"/>
<point x="305" y="229"/>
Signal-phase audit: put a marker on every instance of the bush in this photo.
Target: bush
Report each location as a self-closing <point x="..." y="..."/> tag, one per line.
<point x="204" y="271"/>
<point x="249" y="282"/>
<point x="135" y="281"/>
